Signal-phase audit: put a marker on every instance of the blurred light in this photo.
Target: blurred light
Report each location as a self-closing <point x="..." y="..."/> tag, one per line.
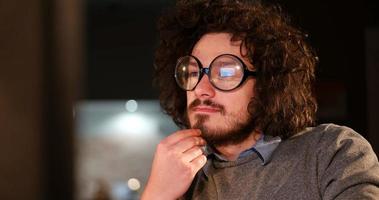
<point x="134" y="184"/>
<point x="131" y="105"/>
<point x="132" y="124"/>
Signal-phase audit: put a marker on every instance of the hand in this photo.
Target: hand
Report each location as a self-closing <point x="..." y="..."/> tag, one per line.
<point x="176" y="161"/>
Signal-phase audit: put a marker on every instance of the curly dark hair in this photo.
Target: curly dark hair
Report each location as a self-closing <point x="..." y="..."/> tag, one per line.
<point x="284" y="103"/>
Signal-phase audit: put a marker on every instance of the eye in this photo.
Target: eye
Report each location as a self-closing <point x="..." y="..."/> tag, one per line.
<point x="193" y="74"/>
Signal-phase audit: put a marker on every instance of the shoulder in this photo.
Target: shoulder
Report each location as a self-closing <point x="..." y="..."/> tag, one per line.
<point x="346" y="165"/>
<point x="332" y="144"/>
<point x="332" y="136"/>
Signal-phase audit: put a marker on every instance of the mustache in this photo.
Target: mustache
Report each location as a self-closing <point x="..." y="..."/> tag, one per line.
<point x="207" y="102"/>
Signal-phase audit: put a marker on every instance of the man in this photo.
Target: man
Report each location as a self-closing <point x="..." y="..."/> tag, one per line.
<point x="237" y="77"/>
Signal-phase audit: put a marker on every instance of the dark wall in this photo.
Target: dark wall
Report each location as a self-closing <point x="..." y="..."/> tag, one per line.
<point x="337" y="32"/>
<point x="20" y="103"/>
<point x="40" y="60"/>
<point x="121" y="36"/>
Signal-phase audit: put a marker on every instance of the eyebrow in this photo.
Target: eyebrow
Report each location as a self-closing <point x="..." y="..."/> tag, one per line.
<point x="224" y="62"/>
<point x="192" y="63"/>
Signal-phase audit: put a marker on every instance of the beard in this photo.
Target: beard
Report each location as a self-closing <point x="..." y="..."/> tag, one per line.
<point x="237" y="127"/>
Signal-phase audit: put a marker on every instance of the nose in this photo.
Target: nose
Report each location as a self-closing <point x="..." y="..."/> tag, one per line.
<point x="204" y="88"/>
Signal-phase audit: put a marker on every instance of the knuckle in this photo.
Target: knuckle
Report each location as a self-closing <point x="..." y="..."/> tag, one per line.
<point x="195" y="141"/>
<point x="180" y="132"/>
<point x="162" y="146"/>
<point x="175" y="155"/>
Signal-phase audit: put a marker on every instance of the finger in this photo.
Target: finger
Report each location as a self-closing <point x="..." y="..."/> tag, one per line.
<point x="192" y="154"/>
<point x="187" y="143"/>
<point x="198" y="163"/>
<point x="179" y="135"/>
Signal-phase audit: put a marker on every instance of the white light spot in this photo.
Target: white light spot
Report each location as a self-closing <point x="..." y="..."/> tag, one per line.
<point x="134" y="184"/>
<point x="131" y="105"/>
<point x="135" y="125"/>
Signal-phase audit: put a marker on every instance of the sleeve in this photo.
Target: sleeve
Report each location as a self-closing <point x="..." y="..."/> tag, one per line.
<point x="347" y="166"/>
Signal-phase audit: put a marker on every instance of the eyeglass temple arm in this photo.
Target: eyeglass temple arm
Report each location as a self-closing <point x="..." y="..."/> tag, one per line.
<point x="251" y="73"/>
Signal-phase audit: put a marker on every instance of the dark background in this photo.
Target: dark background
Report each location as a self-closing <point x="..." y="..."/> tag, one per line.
<point x="121" y="37"/>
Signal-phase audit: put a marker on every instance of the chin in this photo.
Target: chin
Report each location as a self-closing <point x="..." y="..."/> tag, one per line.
<point x="220" y="132"/>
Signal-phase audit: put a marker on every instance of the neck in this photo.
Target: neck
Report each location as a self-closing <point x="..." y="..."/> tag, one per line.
<point x="232" y="151"/>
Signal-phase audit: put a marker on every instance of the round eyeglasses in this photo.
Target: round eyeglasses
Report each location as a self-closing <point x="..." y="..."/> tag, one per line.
<point x="226" y="72"/>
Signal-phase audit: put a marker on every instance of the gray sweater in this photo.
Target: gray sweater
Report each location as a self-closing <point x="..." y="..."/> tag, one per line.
<point x="325" y="162"/>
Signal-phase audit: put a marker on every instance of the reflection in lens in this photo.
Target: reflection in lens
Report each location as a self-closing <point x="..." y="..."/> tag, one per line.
<point x="226" y="72"/>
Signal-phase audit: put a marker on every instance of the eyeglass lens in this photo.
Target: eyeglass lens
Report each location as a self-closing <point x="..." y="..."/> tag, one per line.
<point x="225" y="72"/>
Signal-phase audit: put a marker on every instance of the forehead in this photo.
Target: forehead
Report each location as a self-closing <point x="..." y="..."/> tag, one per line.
<point x="212" y="45"/>
<point x="216" y="43"/>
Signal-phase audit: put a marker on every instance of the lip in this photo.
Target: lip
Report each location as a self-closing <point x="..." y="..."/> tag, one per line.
<point x="206" y="109"/>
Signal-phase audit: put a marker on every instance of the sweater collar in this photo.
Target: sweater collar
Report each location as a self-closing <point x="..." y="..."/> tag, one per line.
<point x="264" y="147"/>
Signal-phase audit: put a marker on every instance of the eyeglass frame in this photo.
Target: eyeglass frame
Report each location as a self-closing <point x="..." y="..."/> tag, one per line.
<point x="206" y="70"/>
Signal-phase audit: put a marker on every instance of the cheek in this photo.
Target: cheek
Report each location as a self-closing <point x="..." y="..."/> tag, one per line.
<point x="245" y="95"/>
<point x="249" y="88"/>
<point x="190" y="97"/>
